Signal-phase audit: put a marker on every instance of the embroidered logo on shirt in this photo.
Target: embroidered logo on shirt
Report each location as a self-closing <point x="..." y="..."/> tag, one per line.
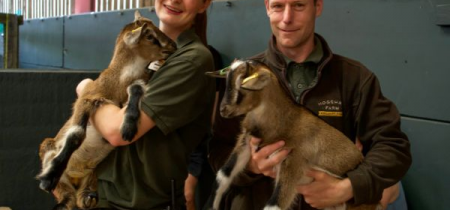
<point x="330" y="108"/>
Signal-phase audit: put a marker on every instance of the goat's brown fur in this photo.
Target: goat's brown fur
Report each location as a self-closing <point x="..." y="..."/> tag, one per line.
<point x="69" y="160"/>
<point x="253" y="90"/>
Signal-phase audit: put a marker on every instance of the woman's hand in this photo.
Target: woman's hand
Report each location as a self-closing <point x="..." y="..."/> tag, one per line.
<point x="264" y="160"/>
<point x="82" y="85"/>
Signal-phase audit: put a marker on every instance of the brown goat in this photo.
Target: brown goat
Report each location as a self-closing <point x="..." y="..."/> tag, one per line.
<point x="252" y="89"/>
<point x="69" y="159"/>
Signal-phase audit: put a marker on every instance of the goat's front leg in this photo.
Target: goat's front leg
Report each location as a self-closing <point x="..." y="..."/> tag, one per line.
<point x="236" y="163"/>
<point x="132" y="113"/>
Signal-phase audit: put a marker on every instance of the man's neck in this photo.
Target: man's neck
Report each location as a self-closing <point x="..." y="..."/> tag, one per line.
<point x="298" y="54"/>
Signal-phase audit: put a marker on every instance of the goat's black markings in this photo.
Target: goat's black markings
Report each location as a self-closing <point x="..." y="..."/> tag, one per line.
<point x="229" y="86"/>
<point x="239" y="98"/>
<point x="229" y="165"/>
<point x="132" y="113"/>
<point x="60" y="162"/>
<point x="273" y="201"/>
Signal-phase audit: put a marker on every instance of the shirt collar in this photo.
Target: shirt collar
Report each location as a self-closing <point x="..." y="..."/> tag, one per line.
<point x="186" y="37"/>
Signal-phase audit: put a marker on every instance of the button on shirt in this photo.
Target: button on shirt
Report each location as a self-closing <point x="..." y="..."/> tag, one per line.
<point x="302" y="76"/>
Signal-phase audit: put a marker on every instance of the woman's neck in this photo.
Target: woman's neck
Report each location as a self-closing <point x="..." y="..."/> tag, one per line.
<point x="171" y="32"/>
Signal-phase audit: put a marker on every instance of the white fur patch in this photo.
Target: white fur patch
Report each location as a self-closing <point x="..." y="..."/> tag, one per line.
<point x="235" y="64"/>
<point x="137" y="82"/>
<point x="272" y="208"/>
<point x="74" y="129"/>
<point x="224" y="182"/>
<point x="133" y="70"/>
<point x="221" y="178"/>
<point x="62" y="143"/>
<point x="325" y="171"/>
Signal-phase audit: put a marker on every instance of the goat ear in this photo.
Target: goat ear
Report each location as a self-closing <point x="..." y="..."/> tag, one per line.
<point x="137" y="15"/>
<point x="132" y="37"/>
<point x="256" y="81"/>
<point x="219" y="74"/>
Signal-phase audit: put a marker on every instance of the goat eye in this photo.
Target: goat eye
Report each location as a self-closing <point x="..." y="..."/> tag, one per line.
<point x="154" y="40"/>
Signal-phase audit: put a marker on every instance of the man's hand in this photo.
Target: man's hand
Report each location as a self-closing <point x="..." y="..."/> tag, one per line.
<point x="390" y="194"/>
<point x="325" y="190"/>
<point x="189" y="191"/>
<point x="264" y="160"/>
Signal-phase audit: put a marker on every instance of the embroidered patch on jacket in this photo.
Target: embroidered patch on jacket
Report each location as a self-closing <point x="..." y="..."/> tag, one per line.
<point x="330" y="114"/>
<point x="330" y="108"/>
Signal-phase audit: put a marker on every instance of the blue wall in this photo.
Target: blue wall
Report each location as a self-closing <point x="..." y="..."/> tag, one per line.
<point x="399" y="40"/>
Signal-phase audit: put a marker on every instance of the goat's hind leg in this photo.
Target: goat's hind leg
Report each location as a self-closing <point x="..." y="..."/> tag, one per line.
<point x="73" y="135"/>
<point x="236" y="163"/>
<point x="87" y="196"/>
<point x="286" y="181"/>
<point x="65" y="193"/>
<point x="132" y="113"/>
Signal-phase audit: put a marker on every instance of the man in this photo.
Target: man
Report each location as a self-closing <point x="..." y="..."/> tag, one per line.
<point x="344" y="94"/>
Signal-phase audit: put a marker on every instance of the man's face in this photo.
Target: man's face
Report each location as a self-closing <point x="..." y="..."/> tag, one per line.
<point x="293" y="21"/>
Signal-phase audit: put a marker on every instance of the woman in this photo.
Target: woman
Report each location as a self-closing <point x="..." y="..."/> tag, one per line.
<point x="175" y="117"/>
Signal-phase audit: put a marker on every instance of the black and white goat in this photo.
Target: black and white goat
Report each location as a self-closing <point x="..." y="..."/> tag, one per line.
<point x="254" y="91"/>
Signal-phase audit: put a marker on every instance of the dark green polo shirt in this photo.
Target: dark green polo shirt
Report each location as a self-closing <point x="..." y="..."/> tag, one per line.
<point x="302" y="76"/>
<point x="179" y="100"/>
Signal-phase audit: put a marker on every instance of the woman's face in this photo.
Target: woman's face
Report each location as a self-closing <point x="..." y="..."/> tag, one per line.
<point x="179" y="14"/>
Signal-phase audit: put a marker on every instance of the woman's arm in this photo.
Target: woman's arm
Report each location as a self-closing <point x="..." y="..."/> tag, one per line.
<point x="108" y="119"/>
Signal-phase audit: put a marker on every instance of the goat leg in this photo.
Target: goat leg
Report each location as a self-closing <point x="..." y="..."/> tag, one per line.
<point x="235" y="164"/>
<point x="132" y="113"/>
<point x="65" y="193"/>
<point x="69" y="142"/>
<point x="289" y="174"/>
<point x="87" y="196"/>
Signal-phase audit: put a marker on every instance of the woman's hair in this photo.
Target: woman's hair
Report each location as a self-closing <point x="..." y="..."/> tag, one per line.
<point x="200" y="23"/>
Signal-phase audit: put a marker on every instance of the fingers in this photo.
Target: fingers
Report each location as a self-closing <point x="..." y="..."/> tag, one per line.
<point x="263" y="161"/>
<point x="315" y="174"/>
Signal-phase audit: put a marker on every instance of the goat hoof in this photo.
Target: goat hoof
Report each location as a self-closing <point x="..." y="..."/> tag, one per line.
<point x="89" y="200"/>
<point x="47" y="184"/>
<point x="129" y="130"/>
<point x="60" y="207"/>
